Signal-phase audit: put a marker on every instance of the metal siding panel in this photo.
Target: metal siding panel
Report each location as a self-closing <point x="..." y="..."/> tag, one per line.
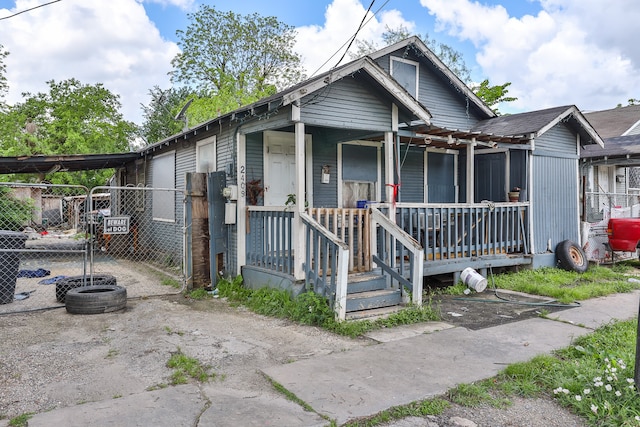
<point x="554" y="201"/>
<point x="325" y="195"/>
<point x="559" y="139"/>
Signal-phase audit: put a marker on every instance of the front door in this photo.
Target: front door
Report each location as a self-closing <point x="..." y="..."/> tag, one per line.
<point x="279" y="167"/>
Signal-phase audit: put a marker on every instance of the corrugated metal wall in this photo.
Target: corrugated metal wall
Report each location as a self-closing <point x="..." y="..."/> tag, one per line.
<point x="558" y="139"/>
<point x="412" y="175"/>
<point x="554" y="201"/>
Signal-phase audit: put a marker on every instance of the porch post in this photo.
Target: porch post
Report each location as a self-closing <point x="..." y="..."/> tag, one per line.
<point x="241" y="229"/>
<point x="471" y="171"/>
<point x="389" y="173"/>
<point x="298" y="227"/>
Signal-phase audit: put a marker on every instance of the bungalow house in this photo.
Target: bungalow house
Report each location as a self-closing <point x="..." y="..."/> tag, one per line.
<point x="362" y="181"/>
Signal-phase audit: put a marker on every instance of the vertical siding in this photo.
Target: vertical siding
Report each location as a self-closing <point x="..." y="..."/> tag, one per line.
<point x="558" y="139"/>
<point x="554" y="201"/>
<point x="324" y="153"/>
<point x="346" y="104"/>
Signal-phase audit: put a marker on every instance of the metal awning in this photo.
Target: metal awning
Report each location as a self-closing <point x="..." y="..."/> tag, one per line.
<point x="64" y="163"/>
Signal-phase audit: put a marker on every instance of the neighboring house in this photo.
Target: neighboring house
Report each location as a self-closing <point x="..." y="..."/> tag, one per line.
<point x="611" y="175"/>
<point x="400" y="172"/>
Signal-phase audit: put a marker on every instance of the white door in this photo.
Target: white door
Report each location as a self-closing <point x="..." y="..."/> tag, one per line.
<point x="280" y="167"/>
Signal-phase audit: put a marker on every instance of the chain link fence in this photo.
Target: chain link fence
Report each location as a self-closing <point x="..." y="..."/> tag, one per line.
<point x="54" y="238"/>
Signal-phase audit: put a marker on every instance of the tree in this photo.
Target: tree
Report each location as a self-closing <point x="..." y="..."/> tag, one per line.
<point x="160" y="115"/>
<point x="72" y="118"/>
<point x="240" y="58"/>
<point x="493" y="95"/>
<point x="4" y="85"/>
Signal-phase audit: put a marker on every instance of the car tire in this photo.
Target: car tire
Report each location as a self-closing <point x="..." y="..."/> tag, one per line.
<point x="65" y="285"/>
<point x="571" y="257"/>
<point x="96" y="299"/>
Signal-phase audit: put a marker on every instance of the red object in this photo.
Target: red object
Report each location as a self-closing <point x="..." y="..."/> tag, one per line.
<point x="395" y="192"/>
<point x="44" y="233"/>
<point x="624" y="234"/>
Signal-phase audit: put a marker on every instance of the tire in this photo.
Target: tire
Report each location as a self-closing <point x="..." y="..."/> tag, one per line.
<point x="571" y="257"/>
<point x="65" y="285"/>
<point x="96" y="299"/>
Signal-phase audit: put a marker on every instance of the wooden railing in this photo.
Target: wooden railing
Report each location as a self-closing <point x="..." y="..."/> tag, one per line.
<point x="391" y="241"/>
<point x="325" y="266"/>
<point x="352" y="227"/>
<point x="466" y="230"/>
<point x="269" y="238"/>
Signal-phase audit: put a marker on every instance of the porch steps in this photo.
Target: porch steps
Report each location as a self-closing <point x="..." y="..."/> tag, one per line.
<point x="368" y="295"/>
<point x="374" y="313"/>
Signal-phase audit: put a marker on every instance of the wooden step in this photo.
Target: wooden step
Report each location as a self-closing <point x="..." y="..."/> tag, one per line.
<point x="374" y="313"/>
<point x="364" y="282"/>
<point x="373" y="299"/>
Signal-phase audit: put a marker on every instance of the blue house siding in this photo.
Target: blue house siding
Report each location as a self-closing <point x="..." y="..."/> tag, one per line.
<point x="412" y="175"/>
<point x="255" y="159"/>
<point x="444" y="101"/>
<point x="558" y="139"/>
<point x="554" y="209"/>
<point x="324" y="154"/>
<point x="347" y="104"/>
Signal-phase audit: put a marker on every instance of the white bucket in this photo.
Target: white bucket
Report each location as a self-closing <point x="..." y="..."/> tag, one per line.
<point x="473" y="279"/>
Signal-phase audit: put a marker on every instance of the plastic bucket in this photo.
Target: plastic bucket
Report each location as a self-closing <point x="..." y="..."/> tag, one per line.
<point x="473" y="279"/>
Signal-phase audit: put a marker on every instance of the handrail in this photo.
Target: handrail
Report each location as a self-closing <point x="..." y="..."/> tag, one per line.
<point x="392" y="236"/>
<point x="326" y="265"/>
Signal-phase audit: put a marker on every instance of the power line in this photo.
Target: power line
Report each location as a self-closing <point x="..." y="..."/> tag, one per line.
<point x="29" y="10"/>
<point x="356" y="33"/>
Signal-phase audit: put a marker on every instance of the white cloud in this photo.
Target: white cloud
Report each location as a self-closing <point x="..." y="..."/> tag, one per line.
<point x="317" y="43"/>
<point x="571" y="52"/>
<point x="113" y="43"/>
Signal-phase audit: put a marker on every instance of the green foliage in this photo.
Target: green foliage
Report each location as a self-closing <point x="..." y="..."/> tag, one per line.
<point x="71" y="118"/>
<point x="185" y="367"/>
<point x="159" y="115"/>
<point x="493" y="95"/>
<point x="4" y="85"/>
<point x="15" y="213"/>
<point x="21" y="420"/>
<point x="199" y="294"/>
<point x="414" y="409"/>
<point x="235" y="58"/>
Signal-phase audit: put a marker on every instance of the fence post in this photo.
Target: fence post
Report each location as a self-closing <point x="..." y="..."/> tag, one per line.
<point x="197" y="190"/>
<point x="636" y="376"/>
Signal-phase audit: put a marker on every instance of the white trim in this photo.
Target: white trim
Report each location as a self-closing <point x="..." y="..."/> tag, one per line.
<point x="308" y="159"/>
<point x="241" y="235"/>
<point x="393" y="59"/>
<point x="635" y="125"/>
<point x="207" y="141"/>
<point x="155" y="185"/>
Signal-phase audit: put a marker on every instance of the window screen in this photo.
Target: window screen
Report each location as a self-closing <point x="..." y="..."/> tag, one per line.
<point x="406" y="73"/>
<point x="164" y="176"/>
<point x="206" y="155"/>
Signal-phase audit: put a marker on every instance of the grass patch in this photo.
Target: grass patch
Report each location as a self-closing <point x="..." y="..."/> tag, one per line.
<point x="199" y="294"/>
<point x="21" y="420"/>
<point x="186" y="368"/>
<point x="414" y="409"/>
<point x="311" y="309"/>
<point x="568" y="286"/>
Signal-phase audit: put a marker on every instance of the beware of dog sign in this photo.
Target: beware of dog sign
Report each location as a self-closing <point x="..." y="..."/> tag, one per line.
<point x="116" y="225"/>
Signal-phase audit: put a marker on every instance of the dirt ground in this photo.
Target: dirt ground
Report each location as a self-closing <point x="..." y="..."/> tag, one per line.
<point x="51" y="359"/>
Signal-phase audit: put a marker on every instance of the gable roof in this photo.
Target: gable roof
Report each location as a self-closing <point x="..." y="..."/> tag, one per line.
<point x="364" y="68"/>
<point x="444" y="71"/>
<point x="536" y="123"/>
<point x="614" y="122"/>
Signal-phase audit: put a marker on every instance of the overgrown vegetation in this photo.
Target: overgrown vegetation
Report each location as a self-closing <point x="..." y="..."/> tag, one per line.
<point x="185" y="367"/>
<point x="20" y="420"/>
<point x="15" y="213"/>
<point x="311" y="309"/>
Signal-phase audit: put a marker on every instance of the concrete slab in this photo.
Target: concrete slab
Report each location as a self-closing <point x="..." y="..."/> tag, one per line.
<point x="596" y="312"/>
<point x="406" y="331"/>
<point x="169" y="407"/>
<point x="368" y="380"/>
<point x="247" y="408"/>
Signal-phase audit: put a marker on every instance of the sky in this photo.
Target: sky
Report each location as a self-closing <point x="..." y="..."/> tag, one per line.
<point x="554" y="52"/>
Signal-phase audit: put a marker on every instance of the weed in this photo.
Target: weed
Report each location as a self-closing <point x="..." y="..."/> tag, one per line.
<point x="170" y="331"/>
<point x="21" y="420"/>
<point x="415" y="409"/>
<point x="185" y="367"/>
<point x="111" y="353"/>
<point x="157" y="387"/>
<point x="117" y="396"/>
<point x="199" y="294"/>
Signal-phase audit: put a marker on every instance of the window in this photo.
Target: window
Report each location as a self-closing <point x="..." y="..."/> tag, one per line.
<point x="164" y="176"/>
<point x="406" y="73"/>
<point x="206" y="155"/>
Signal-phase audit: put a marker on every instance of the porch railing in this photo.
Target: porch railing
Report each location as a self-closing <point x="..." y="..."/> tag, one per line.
<point x="352" y="227"/>
<point x="466" y="230"/>
<point x="326" y="262"/>
<point x="391" y="241"/>
<point x="270" y="238"/>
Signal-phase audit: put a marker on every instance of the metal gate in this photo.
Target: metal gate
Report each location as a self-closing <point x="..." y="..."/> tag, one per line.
<point x="53" y="235"/>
